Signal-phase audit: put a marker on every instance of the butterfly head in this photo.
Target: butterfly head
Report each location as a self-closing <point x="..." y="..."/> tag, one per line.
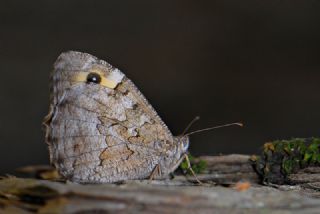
<point x="174" y="156"/>
<point x="183" y="144"/>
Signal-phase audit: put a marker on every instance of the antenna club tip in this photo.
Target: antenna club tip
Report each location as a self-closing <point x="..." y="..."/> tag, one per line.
<point x="240" y="124"/>
<point x="197" y="118"/>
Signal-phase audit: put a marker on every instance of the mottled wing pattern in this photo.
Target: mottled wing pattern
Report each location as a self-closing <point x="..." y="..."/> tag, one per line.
<point x="97" y="134"/>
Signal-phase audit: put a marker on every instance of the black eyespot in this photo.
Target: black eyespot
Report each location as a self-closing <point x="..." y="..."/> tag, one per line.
<point x="94" y="77"/>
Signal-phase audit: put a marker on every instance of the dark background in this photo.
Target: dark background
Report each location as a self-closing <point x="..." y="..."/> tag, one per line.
<point x="227" y="61"/>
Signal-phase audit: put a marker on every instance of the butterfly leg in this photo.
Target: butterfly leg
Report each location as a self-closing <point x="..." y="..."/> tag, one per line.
<point x="185" y="156"/>
<point x="155" y="172"/>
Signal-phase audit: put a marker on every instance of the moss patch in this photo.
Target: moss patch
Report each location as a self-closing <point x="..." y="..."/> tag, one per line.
<point x="198" y="165"/>
<point x="283" y="157"/>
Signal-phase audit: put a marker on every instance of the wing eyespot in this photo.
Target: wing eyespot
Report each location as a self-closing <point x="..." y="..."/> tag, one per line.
<point x="94" y="78"/>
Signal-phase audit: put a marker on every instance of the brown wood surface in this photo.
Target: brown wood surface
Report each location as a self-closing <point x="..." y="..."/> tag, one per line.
<point x="218" y="193"/>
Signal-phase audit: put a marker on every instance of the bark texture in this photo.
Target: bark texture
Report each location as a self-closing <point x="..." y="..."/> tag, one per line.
<point x="219" y="193"/>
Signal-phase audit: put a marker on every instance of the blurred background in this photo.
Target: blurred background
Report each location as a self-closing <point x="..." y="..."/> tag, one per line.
<point x="226" y="61"/>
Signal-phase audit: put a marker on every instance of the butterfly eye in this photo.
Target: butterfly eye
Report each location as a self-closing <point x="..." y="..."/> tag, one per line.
<point x="185" y="143"/>
<point x="94" y="78"/>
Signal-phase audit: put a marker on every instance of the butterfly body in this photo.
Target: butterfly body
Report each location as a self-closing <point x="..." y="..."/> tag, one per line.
<point x="101" y="129"/>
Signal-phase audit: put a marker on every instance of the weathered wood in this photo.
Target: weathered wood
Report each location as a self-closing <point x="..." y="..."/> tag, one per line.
<point x="228" y="169"/>
<point x="30" y="195"/>
<point x="179" y="195"/>
<point x="234" y="168"/>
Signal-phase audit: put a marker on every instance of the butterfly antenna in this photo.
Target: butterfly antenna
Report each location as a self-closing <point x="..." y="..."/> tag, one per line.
<point x="190" y="124"/>
<point x="214" y="127"/>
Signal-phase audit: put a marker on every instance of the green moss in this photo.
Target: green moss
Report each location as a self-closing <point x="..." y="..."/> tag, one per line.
<point x="197" y="165"/>
<point x="283" y="157"/>
<point x="312" y="152"/>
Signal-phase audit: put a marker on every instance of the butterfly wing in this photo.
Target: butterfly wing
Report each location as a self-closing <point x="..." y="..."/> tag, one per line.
<point x="100" y="134"/>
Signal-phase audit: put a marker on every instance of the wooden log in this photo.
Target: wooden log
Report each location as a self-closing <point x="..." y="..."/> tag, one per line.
<point x="228" y="169"/>
<point x="221" y="192"/>
<point x="31" y="195"/>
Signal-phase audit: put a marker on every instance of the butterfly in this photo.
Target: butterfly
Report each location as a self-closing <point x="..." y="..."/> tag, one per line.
<point x="101" y="129"/>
